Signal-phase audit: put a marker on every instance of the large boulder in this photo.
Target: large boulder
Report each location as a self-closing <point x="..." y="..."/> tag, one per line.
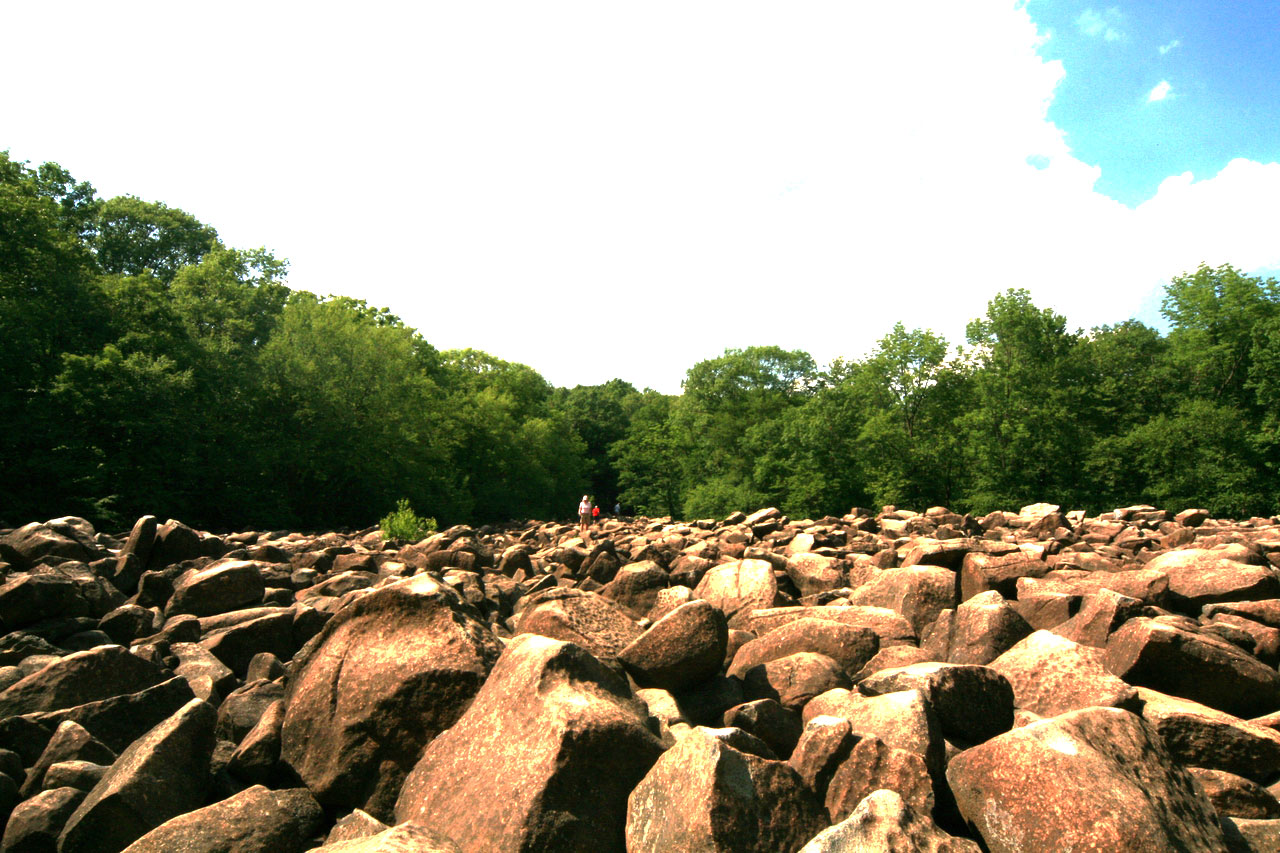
<point x="981" y="572"/>
<point x="70" y="742"/>
<point x="739" y="588"/>
<point x="977" y="632"/>
<point x="67" y="538"/>
<point x="682" y="648"/>
<point x="903" y="719"/>
<point x="973" y="703"/>
<point x="511" y="773"/>
<point x="794" y="679"/>
<point x="35" y="823"/>
<point x="1092" y="779"/>
<point x="388" y="673"/>
<point x="919" y="593"/>
<point x="217" y="588"/>
<point x="1101" y="613"/>
<point x="80" y="677"/>
<point x="1193" y="665"/>
<point x="848" y="646"/>
<point x="705" y="794"/>
<point x="636" y="586"/>
<point x="134" y="556"/>
<point x="871" y="765"/>
<point x="1051" y="675"/>
<point x="163" y="774"/>
<point x="814" y="573"/>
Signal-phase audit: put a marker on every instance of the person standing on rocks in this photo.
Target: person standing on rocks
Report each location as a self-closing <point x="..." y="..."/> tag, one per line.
<point x="584" y="514"/>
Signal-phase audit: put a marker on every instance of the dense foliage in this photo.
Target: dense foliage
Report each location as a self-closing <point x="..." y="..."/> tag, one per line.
<point x="145" y="367"/>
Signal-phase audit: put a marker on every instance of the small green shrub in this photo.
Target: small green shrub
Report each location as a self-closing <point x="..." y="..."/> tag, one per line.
<point x="406" y="525"/>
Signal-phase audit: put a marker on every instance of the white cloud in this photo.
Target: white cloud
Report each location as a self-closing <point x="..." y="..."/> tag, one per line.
<point x="600" y="190"/>
<point x="1104" y="24"/>
<point x="1159" y="92"/>
<point x="1165" y="48"/>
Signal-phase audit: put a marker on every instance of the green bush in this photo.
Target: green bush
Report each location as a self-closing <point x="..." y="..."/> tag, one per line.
<point x="406" y="525"/>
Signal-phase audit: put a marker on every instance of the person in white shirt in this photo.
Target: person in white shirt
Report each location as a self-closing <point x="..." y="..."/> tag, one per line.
<point x="584" y="513"/>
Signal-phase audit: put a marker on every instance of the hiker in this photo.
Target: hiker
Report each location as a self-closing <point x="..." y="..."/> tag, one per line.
<point x="595" y="513"/>
<point x="617" y="509"/>
<point x="584" y="514"/>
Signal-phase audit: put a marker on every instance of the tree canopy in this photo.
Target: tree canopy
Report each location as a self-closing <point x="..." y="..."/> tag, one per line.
<point x="146" y="367"/>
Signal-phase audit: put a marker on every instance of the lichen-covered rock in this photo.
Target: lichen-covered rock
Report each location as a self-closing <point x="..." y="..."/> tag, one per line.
<point x="1095" y="779"/>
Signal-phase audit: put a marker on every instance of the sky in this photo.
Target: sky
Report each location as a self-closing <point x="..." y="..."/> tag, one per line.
<point x="601" y="189"/>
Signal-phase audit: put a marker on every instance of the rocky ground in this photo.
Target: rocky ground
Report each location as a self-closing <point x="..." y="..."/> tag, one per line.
<point x="918" y="682"/>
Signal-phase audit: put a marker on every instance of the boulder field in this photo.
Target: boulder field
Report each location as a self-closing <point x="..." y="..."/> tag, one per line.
<point x="890" y="680"/>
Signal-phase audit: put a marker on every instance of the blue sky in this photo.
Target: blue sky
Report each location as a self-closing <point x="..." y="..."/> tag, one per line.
<point x="1216" y="63"/>
<point x="608" y="190"/>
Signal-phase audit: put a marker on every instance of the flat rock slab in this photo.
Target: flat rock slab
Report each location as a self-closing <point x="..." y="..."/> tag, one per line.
<point x="1200" y="736"/>
<point x="163" y="774"/>
<point x="1093" y="779"/>
<point x="849" y="646"/>
<point x="888" y="625"/>
<point x="78" y="678"/>
<point x="1147" y="585"/>
<point x="1200" y="576"/>
<point x="256" y="819"/>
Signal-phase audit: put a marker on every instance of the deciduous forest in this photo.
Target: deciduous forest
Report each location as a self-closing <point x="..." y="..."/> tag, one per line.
<point x="146" y="367"/>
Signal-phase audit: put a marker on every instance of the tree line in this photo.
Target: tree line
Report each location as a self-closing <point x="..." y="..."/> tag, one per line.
<point x="146" y="367"/>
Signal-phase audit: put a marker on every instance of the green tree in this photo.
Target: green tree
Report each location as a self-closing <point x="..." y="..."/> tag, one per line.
<point x="649" y="459"/>
<point x="600" y="415"/>
<point x="133" y="236"/>
<point x="1022" y="429"/>
<point x="358" y="425"/>
<point x="726" y="420"/>
<point x="48" y="306"/>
